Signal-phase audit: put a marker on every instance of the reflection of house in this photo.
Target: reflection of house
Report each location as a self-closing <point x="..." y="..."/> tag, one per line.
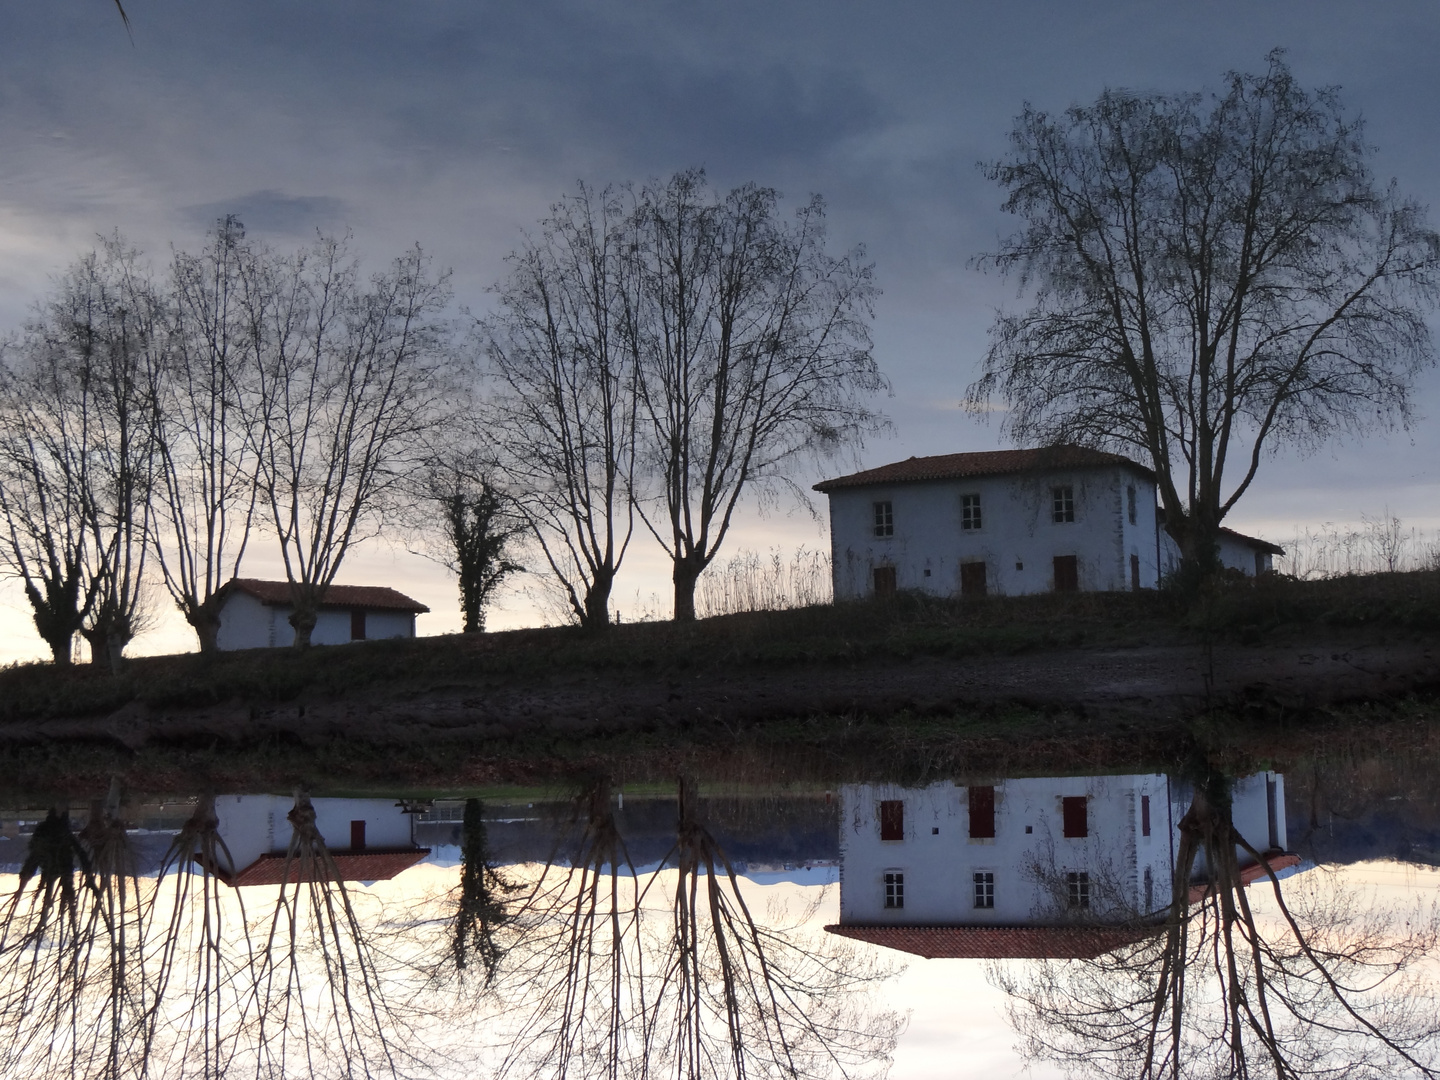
<point x="256" y="614"/>
<point x="1055" y="866"/>
<point x="367" y="839"/>
<point x="1007" y="522"/>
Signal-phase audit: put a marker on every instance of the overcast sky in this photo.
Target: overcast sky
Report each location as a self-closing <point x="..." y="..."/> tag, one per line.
<point x="455" y="124"/>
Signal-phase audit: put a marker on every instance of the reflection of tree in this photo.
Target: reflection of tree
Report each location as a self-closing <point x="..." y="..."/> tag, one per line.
<point x="737" y="998"/>
<point x="1326" y="986"/>
<point x="481" y="909"/>
<point x="72" y="975"/>
<point x="615" y="986"/>
<point x="582" y="973"/>
<point x="200" y="955"/>
<point x="319" y="981"/>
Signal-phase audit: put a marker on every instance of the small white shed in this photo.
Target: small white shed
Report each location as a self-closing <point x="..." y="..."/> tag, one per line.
<point x="255" y="614"/>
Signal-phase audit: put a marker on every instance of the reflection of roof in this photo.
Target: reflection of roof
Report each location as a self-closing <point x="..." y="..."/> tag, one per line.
<point x="372" y="597"/>
<point x="375" y="864"/>
<point x="987" y="463"/>
<point x="999" y="942"/>
<point x="1275" y="860"/>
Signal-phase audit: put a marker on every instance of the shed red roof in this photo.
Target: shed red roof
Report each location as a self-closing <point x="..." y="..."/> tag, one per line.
<point x="987" y="463"/>
<point x="376" y="864"/>
<point x="1274" y="860"/>
<point x="999" y="942"/>
<point x="370" y="597"/>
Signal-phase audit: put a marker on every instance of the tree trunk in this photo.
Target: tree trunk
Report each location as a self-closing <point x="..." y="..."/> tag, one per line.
<point x="61" y="650"/>
<point x="597" y="603"/>
<point x="205" y="621"/>
<point x="686" y="575"/>
<point x="303" y="619"/>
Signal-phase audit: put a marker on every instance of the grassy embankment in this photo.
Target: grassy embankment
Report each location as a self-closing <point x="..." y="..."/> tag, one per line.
<point x="733" y="648"/>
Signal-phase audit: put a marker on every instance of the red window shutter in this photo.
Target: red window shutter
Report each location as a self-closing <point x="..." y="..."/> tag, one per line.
<point x="892" y="819"/>
<point x="1077" y="823"/>
<point x="1144" y="815"/>
<point x="982" y="812"/>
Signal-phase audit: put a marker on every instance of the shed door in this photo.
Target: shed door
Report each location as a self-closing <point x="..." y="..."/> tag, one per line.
<point x="1067" y="574"/>
<point x="972" y="579"/>
<point x="884" y="581"/>
<point x="357" y="626"/>
<point x="357" y="835"/>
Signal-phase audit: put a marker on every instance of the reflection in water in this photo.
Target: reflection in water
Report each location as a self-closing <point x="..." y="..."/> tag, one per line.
<point x="1142" y="925"/>
<point x="1301" y="983"/>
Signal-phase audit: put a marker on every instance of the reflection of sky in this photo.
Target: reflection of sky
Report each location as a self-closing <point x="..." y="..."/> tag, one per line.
<point x="456" y="125"/>
<point x="956" y="1024"/>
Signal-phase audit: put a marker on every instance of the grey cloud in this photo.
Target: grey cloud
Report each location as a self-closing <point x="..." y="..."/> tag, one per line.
<point x="273" y="212"/>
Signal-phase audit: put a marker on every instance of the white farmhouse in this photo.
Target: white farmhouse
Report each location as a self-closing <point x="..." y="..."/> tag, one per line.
<point x="1008" y="522"/>
<point x="367" y="839"/>
<point x="1049" y="866"/>
<point x="256" y="614"/>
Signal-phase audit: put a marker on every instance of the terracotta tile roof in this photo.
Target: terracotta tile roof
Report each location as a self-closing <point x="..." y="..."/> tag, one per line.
<point x="372" y="597"/>
<point x="999" y="942"/>
<point x="987" y="463"/>
<point x="1276" y="860"/>
<point x="376" y="864"/>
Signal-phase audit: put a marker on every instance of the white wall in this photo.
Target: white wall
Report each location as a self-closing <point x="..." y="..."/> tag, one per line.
<point x="246" y="623"/>
<point x="1234" y="555"/>
<point x="1017" y="541"/>
<point x="252" y="825"/>
<point x="1029" y="868"/>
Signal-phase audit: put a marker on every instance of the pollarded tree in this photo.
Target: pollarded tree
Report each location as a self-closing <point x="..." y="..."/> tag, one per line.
<point x="1212" y="276"/>
<point x="210" y="417"/>
<point x="354" y="379"/>
<point x="754" y="349"/>
<point x="560" y="358"/>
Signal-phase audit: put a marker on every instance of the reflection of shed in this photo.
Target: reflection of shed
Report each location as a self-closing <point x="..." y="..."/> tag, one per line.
<point x="365" y="839"/>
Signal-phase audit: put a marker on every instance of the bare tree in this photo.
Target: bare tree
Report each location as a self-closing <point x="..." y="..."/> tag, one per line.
<point x="210" y="423"/>
<point x="560" y="361"/>
<point x="1213" y="276"/>
<point x="1324" y="987"/>
<point x="76" y="451"/>
<point x="754" y="349"/>
<point x="354" y="379"/>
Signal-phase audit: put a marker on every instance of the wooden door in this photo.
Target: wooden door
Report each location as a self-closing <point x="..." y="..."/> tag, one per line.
<point x="884" y="578"/>
<point x="357" y="835"/>
<point x="1067" y="574"/>
<point x="972" y="579"/>
<point x="1135" y="572"/>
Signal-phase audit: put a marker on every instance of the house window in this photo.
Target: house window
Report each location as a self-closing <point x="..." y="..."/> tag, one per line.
<point x="972" y="579"/>
<point x="1130" y="503"/>
<point x="1067" y="573"/>
<point x="984" y="889"/>
<point x="969" y="512"/>
<point x="982" y="813"/>
<point x="357" y="626"/>
<point x="892" y="819"/>
<point x="884" y="519"/>
<point x="1077" y="885"/>
<point x="1075" y="816"/>
<point x="894" y="889"/>
<point x="1063" y="504"/>
<point x="1144" y="815"/>
<point x="884" y="579"/>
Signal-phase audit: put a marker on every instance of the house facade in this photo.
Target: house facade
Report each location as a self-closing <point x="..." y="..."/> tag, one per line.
<point x="1006" y="522"/>
<point x="1046" y="866"/>
<point x="256" y="615"/>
